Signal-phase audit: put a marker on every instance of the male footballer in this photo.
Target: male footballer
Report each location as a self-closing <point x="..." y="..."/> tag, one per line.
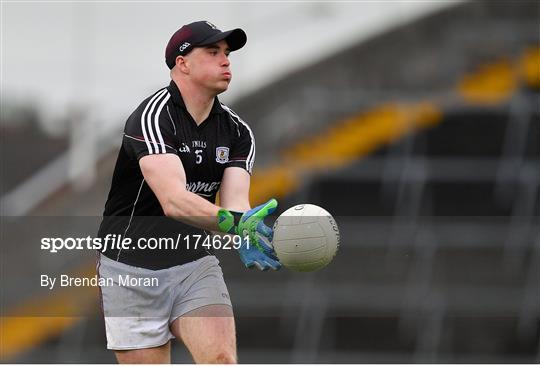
<point x="181" y="147"/>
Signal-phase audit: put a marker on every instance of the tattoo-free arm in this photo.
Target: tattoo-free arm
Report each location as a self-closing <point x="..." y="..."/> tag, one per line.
<point x="234" y="191"/>
<point x="165" y="175"/>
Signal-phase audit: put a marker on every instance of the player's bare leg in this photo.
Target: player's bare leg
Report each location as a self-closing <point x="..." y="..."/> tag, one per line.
<point x="208" y="333"/>
<point x="161" y="354"/>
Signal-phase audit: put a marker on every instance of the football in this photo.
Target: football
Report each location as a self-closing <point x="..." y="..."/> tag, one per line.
<point x="306" y="238"/>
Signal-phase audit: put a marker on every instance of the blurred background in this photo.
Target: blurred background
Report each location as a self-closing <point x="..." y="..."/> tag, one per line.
<point x="416" y="124"/>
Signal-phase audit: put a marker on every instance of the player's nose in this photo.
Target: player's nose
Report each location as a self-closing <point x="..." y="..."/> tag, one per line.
<point x="225" y="60"/>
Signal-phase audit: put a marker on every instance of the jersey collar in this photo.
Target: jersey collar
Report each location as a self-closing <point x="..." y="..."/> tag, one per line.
<point x="178" y="100"/>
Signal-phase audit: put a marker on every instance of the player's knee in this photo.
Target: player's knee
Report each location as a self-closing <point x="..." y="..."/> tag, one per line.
<point x="223" y="357"/>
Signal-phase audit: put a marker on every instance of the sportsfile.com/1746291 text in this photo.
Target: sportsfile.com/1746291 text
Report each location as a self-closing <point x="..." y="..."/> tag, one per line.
<point x="118" y="242"/>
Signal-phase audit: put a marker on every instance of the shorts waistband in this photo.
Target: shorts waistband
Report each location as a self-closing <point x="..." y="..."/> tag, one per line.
<point x="110" y="258"/>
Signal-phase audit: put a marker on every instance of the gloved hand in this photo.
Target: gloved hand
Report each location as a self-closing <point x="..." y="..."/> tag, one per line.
<point x="252" y="256"/>
<point x="250" y="226"/>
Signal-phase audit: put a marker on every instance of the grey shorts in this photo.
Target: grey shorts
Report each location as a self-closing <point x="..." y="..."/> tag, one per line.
<point x="140" y="304"/>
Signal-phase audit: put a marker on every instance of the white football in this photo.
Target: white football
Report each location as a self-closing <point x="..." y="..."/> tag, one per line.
<point x="306" y="238"/>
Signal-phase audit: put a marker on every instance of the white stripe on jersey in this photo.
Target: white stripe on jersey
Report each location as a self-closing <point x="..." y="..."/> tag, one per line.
<point x="145" y="135"/>
<point x="149" y="121"/>
<point x="251" y="156"/>
<point x="156" y="123"/>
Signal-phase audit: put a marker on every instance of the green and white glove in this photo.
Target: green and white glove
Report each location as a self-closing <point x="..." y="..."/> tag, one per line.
<point x="253" y="231"/>
<point x="248" y="224"/>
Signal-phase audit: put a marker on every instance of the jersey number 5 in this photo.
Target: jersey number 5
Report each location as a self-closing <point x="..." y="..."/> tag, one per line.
<point x="198" y="156"/>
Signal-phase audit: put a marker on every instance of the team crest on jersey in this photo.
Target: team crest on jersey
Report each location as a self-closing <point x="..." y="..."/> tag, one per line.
<point x="222" y="154"/>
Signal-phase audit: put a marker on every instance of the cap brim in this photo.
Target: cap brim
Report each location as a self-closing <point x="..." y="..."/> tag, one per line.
<point x="235" y="38"/>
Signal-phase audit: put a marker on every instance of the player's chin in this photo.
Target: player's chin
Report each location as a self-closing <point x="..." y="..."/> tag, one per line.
<point x="222" y="86"/>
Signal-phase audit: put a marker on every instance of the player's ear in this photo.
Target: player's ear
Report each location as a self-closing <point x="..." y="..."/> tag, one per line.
<point x="182" y="65"/>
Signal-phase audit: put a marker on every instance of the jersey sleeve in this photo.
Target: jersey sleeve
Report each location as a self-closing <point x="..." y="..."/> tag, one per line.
<point x="243" y="149"/>
<point x="150" y="129"/>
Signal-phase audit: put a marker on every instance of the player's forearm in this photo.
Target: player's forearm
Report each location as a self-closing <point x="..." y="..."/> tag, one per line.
<point x="236" y="206"/>
<point x="193" y="210"/>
